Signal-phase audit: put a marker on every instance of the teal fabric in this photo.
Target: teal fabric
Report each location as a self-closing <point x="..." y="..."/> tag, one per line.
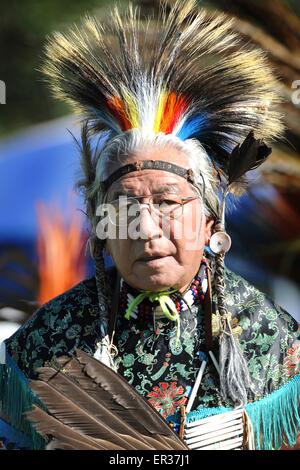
<point x="15" y="399"/>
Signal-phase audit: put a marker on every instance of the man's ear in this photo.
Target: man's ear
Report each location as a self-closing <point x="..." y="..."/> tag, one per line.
<point x="208" y="230"/>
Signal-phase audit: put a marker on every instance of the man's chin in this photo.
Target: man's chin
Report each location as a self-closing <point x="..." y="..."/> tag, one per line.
<point x="155" y="282"/>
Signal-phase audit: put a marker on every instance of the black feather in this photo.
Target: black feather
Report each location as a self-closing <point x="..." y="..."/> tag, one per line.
<point x="247" y="156"/>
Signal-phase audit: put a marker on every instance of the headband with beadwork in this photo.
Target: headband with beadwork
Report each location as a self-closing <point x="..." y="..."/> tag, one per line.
<point x="188" y="174"/>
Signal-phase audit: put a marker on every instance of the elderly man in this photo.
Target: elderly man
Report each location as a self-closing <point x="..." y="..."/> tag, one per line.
<point x="178" y="117"/>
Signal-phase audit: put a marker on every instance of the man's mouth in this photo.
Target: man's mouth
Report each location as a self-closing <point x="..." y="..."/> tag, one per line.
<point x="150" y="258"/>
<point x="154" y="256"/>
<point x="153" y="261"/>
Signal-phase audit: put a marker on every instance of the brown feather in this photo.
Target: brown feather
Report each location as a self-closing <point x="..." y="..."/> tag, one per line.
<point x="48" y="427"/>
<point x="67" y="386"/>
<point x="72" y="414"/>
<point x="125" y="395"/>
<point x="95" y="403"/>
<point x="100" y="394"/>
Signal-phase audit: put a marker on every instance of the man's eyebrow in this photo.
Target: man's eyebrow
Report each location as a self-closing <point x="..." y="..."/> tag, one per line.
<point x="166" y="188"/>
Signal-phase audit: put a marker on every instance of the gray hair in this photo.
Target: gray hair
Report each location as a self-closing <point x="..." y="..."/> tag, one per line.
<point x="119" y="147"/>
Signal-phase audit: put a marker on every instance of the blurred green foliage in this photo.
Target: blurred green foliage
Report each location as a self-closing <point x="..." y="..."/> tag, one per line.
<point x="295" y="4"/>
<point x="24" y="25"/>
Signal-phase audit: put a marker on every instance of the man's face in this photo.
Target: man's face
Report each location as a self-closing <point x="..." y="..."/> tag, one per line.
<point x="168" y="251"/>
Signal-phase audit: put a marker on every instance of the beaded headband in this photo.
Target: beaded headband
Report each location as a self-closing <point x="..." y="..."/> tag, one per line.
<point x="188" y="174"/>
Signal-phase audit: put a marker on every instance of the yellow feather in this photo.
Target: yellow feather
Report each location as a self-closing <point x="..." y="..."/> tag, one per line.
<point x="132" y="109"/>
<point x="160" y="110"/>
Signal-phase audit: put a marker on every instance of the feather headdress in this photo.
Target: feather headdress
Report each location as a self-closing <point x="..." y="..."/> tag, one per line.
<point x="188" y="75"/>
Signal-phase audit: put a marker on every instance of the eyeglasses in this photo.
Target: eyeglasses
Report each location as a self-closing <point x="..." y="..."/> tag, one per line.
<point x="125" y="209"/>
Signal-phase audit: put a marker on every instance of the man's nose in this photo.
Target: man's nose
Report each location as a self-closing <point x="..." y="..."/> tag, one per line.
<point x="150" y="224"/>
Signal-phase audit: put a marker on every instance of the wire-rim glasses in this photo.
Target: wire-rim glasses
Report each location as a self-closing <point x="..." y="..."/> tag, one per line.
<point x="162" y="206"/>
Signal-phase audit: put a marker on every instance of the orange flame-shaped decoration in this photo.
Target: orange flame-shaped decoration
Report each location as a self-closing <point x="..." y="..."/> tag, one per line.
<point x="60" y="251"/>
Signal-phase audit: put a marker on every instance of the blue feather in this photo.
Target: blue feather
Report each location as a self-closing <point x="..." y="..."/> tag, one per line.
<point x="192" y="126"/>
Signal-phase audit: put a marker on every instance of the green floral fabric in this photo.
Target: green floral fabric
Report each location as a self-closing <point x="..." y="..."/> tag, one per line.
<point x="149" y="357"/>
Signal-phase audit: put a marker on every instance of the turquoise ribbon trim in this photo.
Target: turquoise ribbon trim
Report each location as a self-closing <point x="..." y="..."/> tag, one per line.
<point x="17" y="398"/>
<point x="202" y="413"/>
<point x="275" y="417"/>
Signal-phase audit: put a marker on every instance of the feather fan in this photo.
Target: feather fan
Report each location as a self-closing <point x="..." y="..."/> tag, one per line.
<point x="91" y="407"/>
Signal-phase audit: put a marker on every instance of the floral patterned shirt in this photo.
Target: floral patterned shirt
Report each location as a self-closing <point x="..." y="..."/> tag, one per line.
<point x="160" y="369"/>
